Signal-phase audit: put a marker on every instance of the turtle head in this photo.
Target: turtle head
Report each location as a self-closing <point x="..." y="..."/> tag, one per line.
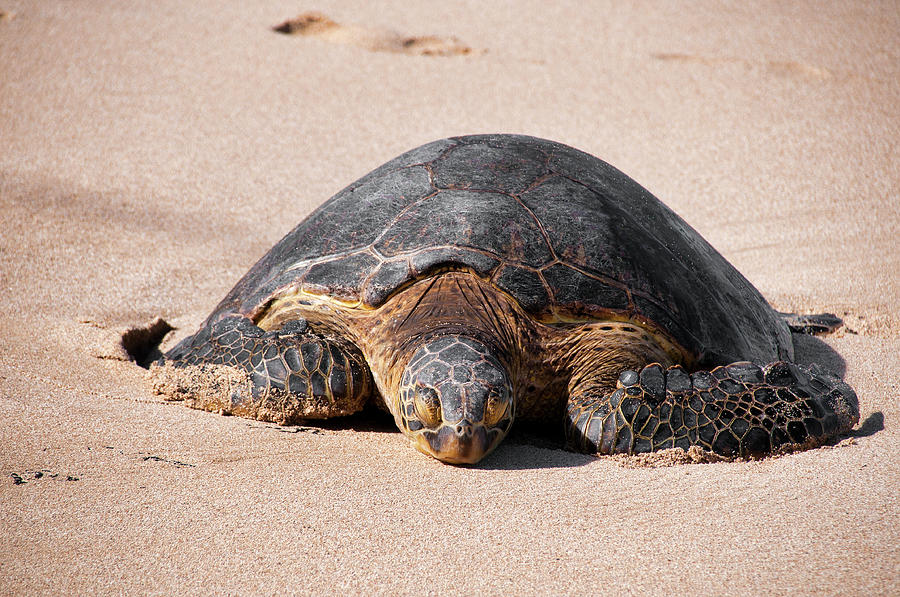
<point x="455" y="401"/>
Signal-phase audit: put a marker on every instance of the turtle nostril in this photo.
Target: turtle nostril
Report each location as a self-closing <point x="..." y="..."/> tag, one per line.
<point x="464" y="430"/>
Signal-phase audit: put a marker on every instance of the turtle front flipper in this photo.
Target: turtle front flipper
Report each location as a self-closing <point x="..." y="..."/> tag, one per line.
<point x="285" y="376"/>
<point x="735" y="410"/>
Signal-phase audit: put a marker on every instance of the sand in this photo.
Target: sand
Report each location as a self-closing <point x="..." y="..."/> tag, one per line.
<point x="151" y="152"/>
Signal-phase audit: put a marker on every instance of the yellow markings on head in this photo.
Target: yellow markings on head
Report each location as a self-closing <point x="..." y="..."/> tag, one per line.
<point x="428" y="406"/>
<point x="495" y="409"/>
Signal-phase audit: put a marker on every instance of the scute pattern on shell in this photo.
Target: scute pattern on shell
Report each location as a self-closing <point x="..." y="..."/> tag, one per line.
<point x="559" y="230"/>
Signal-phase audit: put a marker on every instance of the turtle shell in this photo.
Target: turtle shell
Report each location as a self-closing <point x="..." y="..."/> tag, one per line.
<point x="564" y="233"/>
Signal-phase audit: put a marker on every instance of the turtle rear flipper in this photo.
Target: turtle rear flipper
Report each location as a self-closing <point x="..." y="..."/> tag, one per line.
<point x="285" y="376"/>
<point x="735" y="410"/>
<point x="818" y="323"/>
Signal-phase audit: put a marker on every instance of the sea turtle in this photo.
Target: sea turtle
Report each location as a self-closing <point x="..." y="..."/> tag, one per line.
<point x="476" y="280"/>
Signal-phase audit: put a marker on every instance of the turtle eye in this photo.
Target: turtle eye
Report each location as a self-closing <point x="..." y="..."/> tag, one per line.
<point x="494" y="408"/>
<point x="428" y="406"/>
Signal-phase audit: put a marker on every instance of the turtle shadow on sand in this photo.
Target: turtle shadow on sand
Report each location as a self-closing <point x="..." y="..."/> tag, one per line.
<point x="872" y="425"/>
<point x="531" y="446"/>
<point x="809" y="349"/>
<point x="513" y="456"/>
<point x="372" y="419"/>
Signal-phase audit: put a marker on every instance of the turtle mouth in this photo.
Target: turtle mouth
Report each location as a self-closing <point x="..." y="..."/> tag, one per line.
<point x="459" y="443"/>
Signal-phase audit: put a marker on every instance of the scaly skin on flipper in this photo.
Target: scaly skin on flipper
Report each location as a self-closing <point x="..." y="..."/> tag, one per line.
<point x="291" y="374"/>
<point x="735" y="410"/>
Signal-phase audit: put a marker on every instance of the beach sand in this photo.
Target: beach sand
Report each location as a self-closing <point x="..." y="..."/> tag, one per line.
<point x="151" y="152"/>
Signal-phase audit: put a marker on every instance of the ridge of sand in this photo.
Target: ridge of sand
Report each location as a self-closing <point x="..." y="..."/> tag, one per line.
<point x="374" y="39"/>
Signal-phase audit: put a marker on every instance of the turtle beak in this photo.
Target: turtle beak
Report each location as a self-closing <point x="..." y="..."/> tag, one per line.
<point x="463" y="442"/>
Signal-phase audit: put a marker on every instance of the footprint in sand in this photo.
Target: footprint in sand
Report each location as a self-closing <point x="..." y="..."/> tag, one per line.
<point x="787" y="68"/>
<point x="315" y="24"/>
